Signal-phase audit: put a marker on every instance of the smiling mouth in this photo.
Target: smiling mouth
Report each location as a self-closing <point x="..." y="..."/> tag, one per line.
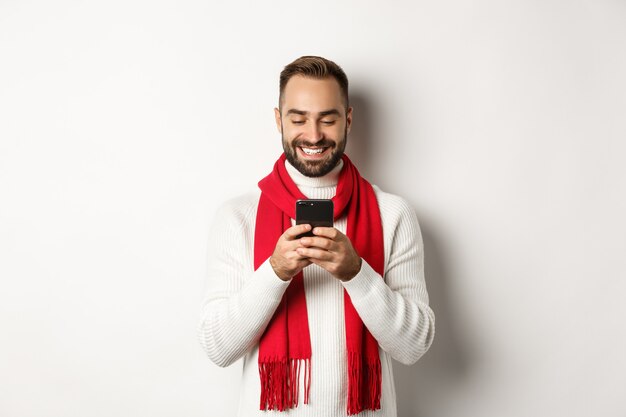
<point x="312" y="151"/>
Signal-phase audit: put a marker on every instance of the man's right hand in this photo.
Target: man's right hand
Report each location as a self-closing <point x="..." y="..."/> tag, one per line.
<point x="285" y="260"/>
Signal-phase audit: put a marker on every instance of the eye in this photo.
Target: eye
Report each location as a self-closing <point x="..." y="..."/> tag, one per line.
<point x="328" y="122"/>
<point x="297" y="122"/>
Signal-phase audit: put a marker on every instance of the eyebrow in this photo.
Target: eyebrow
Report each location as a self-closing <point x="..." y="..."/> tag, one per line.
<point x="333" y="112"/>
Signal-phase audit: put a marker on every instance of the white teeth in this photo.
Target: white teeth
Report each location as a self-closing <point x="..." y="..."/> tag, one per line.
<point x="310" y="151"/>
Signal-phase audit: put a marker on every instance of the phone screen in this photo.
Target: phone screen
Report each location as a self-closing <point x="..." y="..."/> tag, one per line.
<point x="314" y="212"/>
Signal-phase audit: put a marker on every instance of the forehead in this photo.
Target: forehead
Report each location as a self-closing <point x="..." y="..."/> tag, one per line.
<point x="312" y="94"/>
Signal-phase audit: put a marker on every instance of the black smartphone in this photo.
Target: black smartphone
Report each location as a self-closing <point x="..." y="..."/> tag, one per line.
<point x="314" y="212"/>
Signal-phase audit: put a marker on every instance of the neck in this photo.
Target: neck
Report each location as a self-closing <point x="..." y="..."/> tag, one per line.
<point x="316" y="187"/>
<point x="301" y="180"/>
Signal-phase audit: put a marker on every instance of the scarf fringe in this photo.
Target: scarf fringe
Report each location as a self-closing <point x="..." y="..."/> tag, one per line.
<point x="280" y="379"/>
<point x="364" y="384"/>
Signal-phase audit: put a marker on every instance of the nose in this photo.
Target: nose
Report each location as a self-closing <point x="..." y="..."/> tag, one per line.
<point x="314" y="134"/>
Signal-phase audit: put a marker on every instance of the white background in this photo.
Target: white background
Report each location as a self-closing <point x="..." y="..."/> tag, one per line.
<point x="123" y="125"/>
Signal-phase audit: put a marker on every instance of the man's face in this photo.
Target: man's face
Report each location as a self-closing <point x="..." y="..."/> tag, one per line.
<point x="314" y="124"/>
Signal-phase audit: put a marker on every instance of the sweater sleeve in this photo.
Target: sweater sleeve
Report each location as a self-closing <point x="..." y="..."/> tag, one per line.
<point x="239" y="302"/>
<point x="395" y="309"/>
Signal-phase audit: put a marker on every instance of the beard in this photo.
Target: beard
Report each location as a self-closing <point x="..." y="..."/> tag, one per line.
<point x="315" y="168"/>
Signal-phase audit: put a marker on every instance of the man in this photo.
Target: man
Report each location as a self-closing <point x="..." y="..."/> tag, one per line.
<point x="316" y="319"/>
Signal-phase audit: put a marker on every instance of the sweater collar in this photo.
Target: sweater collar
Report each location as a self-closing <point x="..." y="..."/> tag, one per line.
<point x="301" y="180"/>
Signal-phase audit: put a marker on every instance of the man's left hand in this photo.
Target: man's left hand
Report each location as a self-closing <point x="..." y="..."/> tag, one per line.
<point x="333" y="251"/>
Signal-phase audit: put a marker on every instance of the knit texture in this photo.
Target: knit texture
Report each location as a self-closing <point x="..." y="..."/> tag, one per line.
<point x="240" y="303"/>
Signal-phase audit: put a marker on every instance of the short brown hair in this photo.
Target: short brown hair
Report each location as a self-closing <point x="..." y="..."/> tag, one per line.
<point x="314" y="67"/>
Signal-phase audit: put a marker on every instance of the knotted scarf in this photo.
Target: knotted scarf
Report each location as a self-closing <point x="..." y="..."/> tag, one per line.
<point x="285" y="346"/>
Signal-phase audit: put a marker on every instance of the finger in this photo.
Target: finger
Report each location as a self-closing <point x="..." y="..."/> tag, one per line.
<point x="294" y="256"/>
<point x="315" y="254"/>
<point x="293" y="231"/>
<point x="291" y="245"/>
<point x="304" y="263"/>
<point x="329" y="232"/>
<point x="318" y="242"/>
<point x="322" y="264"/>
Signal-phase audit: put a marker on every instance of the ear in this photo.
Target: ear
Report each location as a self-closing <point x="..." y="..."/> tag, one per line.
<point x="349" y="119"/>
<point x="279" y="123"/>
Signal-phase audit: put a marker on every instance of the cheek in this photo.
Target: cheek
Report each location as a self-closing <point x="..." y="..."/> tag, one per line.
<point x="289" y="132"/>
<point x="337" y="132"/>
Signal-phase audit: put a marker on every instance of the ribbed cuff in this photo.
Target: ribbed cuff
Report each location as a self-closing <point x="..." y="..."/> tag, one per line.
<point x="363" y="283"/>
<point x="268" y="283"/>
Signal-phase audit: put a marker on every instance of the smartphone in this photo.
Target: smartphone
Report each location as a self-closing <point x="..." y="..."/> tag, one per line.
<point x="314" y="212"/>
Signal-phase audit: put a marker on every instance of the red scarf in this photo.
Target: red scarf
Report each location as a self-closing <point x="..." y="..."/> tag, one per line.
<point x="285" y="347"/>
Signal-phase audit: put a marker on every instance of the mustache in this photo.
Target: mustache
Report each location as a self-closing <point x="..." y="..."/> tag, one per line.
<point x="324" y="143"/>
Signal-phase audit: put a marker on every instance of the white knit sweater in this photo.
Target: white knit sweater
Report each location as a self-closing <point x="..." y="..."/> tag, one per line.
<point x="240" y="302"/>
